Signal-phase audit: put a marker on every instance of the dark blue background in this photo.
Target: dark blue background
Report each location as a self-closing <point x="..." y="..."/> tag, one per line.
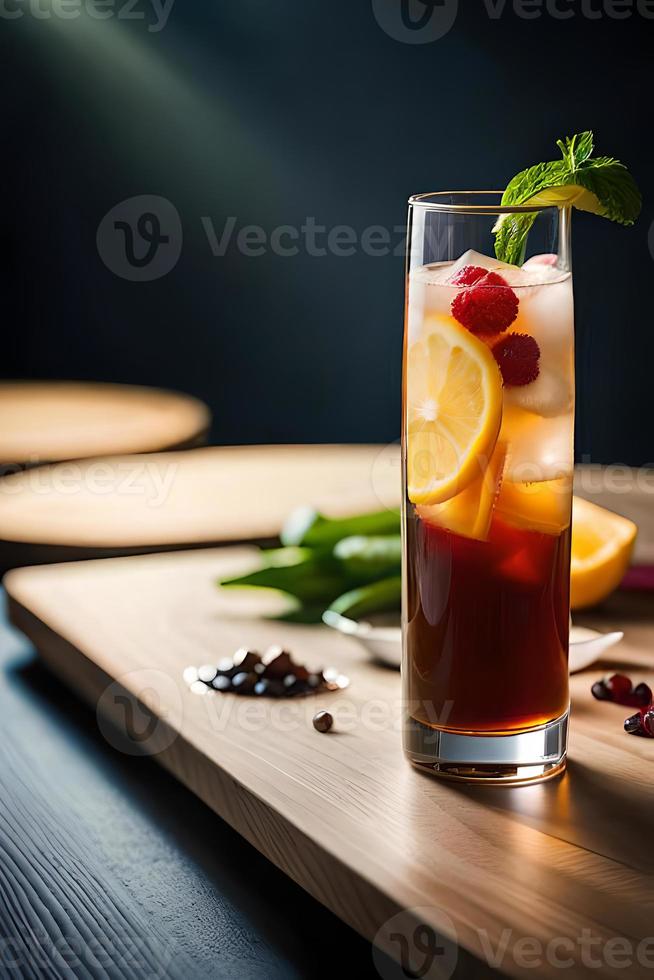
<point x="275" y="111"/>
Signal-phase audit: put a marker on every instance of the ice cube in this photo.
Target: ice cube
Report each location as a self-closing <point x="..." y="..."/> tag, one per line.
<point x="546" y="313"/>
<point x="538" y="448"/>
<point x="483" y="261"/>
<point x="549" y="395"/>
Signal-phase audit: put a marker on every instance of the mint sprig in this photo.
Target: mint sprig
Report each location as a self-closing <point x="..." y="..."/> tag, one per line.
<point x="601" y="185"/>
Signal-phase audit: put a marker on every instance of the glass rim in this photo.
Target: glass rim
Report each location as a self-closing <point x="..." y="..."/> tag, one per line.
<point x="426" y="201"/>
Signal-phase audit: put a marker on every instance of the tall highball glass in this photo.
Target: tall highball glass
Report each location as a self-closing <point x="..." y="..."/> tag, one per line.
<point x="488" y="423"/>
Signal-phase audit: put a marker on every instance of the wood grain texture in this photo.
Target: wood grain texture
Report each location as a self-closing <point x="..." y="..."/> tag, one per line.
<point x="109" y="867"/>
<point x="46" y="421"/>
<point x="343" y="814"/>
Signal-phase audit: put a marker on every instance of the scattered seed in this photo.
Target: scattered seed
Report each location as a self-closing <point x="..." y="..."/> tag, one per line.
<point x="221" y="683"/>
<point x="323" y="721"/>
<point x="246" y="660"/>
<point x="275" y="675"/>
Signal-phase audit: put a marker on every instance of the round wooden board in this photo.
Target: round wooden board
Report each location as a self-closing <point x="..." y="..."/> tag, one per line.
<point x="199" y="496"/>
<point x="51" y="421"/>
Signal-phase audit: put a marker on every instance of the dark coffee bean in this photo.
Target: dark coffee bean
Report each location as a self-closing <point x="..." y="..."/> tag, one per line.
<point x="271" y="653"/>
<point x="323" y="721"/>
<point x="244" y="682"/>
<point x="246" y="660"/>
<point x="276" y="688"/>
<point x="270" y="688"/>
<point x="293" y="686"/>
<point x="221" y="683"/>
<point x="207" y="673"/>
<point x="279" y="666"/>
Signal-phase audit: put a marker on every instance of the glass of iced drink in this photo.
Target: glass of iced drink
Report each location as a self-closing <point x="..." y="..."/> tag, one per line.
<point x="488" y="424"/>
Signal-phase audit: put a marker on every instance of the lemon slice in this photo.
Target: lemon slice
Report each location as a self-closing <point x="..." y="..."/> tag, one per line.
<point x="470" y="513"/>
<point x="602" y="543"/>
<point x="454" y="410"/>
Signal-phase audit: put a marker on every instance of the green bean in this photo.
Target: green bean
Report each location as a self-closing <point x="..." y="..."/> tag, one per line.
<point x="369" y="558"/>
<point x="310" y="528"/>
<point x="376" y="597"/>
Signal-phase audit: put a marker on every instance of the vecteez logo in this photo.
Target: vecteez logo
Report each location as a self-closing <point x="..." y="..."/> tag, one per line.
<point x="415" y="21"/>
<point x="141" y="712"/>
<point x="140" y="239"/>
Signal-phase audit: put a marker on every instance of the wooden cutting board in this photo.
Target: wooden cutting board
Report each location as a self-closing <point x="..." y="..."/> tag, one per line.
<point x="343" y="814"/>
<point x="45" y="421"/>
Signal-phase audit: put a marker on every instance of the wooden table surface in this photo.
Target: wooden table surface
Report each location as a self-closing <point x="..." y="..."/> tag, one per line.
<point x="489" y="869"/>
<point x="46" y="421"/>
<point x="128" y="504"/>
<point x="106" y="854"/>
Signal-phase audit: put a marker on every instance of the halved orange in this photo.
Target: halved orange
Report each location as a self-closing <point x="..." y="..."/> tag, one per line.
<point x="602" y="543"/>
<point x="454" y="410"/>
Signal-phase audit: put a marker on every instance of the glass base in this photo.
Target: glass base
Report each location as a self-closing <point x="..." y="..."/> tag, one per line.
<point x="523" y="757"/>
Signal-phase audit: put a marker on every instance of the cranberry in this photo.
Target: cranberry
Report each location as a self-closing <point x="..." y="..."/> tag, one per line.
<point x="619" y="689"/>
<point x="612" y="688"/>
<point x="642" y="723"/>
<point x="642" y="694"/>
<point x="619" y="686"/>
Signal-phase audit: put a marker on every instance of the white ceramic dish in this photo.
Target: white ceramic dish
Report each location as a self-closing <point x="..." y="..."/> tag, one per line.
<point x="383" y="640"/>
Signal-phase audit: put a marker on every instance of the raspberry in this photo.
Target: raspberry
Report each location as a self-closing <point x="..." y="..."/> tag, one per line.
<point x="518" y="356"/>
<point x="488" y="307"/>
<point x="468" y="275"/>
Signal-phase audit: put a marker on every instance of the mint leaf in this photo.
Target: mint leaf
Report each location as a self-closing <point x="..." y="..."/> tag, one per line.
<point x="601" y="185"/>
<point x="576" y="149"/>
<point x="511" y="237"/>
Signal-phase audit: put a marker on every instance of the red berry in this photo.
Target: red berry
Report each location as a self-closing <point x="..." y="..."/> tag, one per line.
<point x="642" y="694"/>
<point x="642" y="723"/>
<point x="488" y="307"/>
<point x="468" y="275"/>
<point x="600" y="691"/>
<point x="518" y="356"/>
<point x="619" y="685"/>
<point x="619" y="688"/>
